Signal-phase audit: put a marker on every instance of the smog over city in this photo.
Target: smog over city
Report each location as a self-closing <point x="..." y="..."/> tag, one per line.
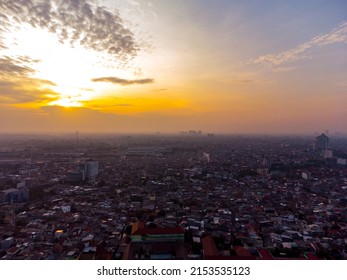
<point x="157" y="129"/>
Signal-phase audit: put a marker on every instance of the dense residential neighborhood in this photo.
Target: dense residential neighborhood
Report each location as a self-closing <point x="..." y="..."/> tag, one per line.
<point x="186" y="196"/>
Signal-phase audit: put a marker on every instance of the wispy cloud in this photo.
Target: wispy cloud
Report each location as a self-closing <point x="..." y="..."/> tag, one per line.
<point x="25" y="90"/>
<point x="75" y="22"/>
<point x="46" y="82"/>
<point x="11" y="66"/>
<point x="17" y="84"/>
<point x="123" y="82"/>
<point x="161" y="89"/>
<point x="337" y="35"/>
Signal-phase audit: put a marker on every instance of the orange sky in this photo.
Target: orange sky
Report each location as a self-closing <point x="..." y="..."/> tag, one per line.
<point x="147" y="66"/>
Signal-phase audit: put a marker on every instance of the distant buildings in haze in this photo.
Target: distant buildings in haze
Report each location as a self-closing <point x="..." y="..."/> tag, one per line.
<point x="86" y="170"/>
<point x="321" y="142"/>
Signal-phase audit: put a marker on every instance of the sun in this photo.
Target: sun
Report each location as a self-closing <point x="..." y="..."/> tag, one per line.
<point x="68" y="68"/>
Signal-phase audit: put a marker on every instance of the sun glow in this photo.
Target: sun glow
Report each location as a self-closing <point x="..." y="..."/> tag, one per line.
<point x="62" y="70"/>
<point x="68" y="69"/>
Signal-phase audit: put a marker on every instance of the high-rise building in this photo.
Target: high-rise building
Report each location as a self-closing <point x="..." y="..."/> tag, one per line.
<point x="90" y="168"/>
<point x="322" y="142"/>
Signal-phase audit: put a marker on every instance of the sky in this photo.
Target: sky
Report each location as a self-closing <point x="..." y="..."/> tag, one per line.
<point x="146" y="66"/>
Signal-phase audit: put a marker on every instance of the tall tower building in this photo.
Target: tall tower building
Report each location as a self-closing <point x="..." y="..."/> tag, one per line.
<point x="322" y="142"/>
<point x="90" y="168"/>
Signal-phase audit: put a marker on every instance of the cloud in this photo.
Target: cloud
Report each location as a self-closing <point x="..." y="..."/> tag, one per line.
<point x="25" y="90"/>
<point x="123" y="82"/>
<point x="74" y="22"/>
<point x="17" y="86"/>
<point x="46" y="82"/>
<point x="134" y="3"/>
<point x="12" y="66"/>
<point x="337" y="35"/>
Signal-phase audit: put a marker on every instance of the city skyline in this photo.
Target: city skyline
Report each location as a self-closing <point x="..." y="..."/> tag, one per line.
<point x="168" y="66"/>
<point x="163" y="197"/>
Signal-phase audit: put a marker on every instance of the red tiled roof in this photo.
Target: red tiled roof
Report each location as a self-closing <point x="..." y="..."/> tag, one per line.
<point x="230" y="258"/>
<point x="209" y="247"/>
<point x="137" y="226"/>
<point x="311" y="256"/>
<point x="242" y="252"/>
<point x="265" y="254"/>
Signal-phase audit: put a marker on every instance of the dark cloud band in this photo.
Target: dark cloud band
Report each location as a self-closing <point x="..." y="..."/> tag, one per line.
<point x="123" y="82"/>
<point x="10" y="66"/>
